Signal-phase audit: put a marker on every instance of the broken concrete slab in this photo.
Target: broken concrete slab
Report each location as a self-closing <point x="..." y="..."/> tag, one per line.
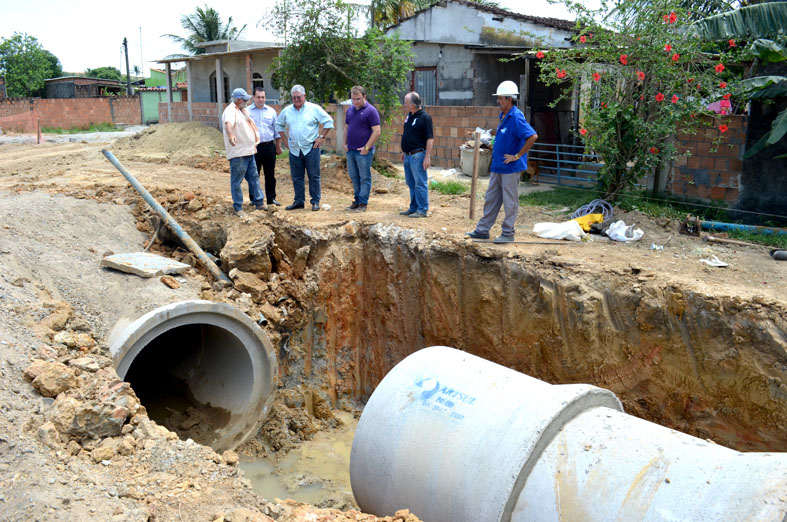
<point x="144" y="264"/>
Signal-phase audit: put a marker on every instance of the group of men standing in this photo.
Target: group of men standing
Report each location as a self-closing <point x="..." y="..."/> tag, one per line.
<point x="253" y="139"/>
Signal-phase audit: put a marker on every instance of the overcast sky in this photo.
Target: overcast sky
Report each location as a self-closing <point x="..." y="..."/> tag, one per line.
<point x="89" y="34"/>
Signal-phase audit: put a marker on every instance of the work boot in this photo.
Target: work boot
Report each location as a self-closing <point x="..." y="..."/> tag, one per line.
<point x="293" y="206"/>
<point x="406" y="212"/>
<point x="353" y="206"/>
<point x="315" y="207"/>
<point x="477" y="235"/>
<point x="503" y="239"/>
<point x="360" y="208"/>
<point x="418" y="214"/>
<point x="241" y="213"/>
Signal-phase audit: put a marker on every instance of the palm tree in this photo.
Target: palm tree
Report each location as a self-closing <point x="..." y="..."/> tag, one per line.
<point x="204" y="25"/>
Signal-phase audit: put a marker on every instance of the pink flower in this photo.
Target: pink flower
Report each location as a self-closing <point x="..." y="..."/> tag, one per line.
<point x="624" y="59"/>
<point x="726" y="96"/>
<point x="596" y="77"/>
<point x="641" y="75"/>
<point x="666" y="18"/>
<point x="675" y="98"/>
<point x="723" y="85"/>
<point x="675" y="57"/>
<point x="719" y="67"/>
<point x="583" y="132"/>
<point x="732" y="43"/>
<point x="690" y="80"/>
<point x="603" y="105"/>
<point x="668" y="47"/>
<point x="653" y="150"/>
<point x="659" y="97"/>
<point x="673" y="17"/>
<point x="583" y="39"/>
<point x="561" y="74"/>
<point x="540" y="54"/>
<point x="723" y="128"/>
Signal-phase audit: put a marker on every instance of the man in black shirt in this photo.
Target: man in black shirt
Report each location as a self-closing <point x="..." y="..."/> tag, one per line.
<point x="417" y="140"/>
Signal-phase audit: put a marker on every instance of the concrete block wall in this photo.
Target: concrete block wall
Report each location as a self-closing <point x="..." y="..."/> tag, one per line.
<point x="452" y="127"/>
<point x="76" y="112"/>
<point x="710" y="171"/>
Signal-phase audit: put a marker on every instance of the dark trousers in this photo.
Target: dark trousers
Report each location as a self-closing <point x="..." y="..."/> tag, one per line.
<point x="266" y="164"/>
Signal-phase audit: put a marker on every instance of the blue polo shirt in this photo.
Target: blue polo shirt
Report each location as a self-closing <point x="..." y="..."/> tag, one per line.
<point x="512" y="133"/>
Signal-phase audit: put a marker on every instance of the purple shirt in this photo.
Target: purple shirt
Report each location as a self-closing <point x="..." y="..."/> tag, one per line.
<point x="359" y="125"/>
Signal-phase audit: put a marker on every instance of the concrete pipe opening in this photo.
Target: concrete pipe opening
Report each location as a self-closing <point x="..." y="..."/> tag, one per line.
<point x="204" y="370"/>
<point x="457" y="438"/>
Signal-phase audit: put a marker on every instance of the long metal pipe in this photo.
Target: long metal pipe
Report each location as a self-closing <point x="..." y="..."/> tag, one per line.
<point x="173" y="225"/>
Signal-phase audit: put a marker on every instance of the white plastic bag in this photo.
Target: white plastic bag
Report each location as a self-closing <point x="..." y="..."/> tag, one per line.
<point x="620" y="232"/>
<point x="486" y="136"/>
<point x="569" y="230"/>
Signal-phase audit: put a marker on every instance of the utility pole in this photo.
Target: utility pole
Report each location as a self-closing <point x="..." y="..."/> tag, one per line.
<point x="141" y="61"/>
<point x="128" y="73"/>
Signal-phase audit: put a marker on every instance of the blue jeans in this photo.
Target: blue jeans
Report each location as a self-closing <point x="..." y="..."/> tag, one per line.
<point x="415" y="177"/>
<point x="242" y="168"/>
<point x="310" y="163"/>
<point x="359" y="167"/>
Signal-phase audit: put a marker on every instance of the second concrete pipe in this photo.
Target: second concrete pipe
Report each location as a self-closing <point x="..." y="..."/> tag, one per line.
<point x="456" y="438"/>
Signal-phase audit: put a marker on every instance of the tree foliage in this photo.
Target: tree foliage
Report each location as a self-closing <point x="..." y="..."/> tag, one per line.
<point x="327" y="56"/>
<point x="26" y="64"/>
<point x="643" y="80"/>
<point x="204" y="25"/>
<point x="385" y="13"/>
<point x="762" y="26"/>
<point x="106" y="73"/>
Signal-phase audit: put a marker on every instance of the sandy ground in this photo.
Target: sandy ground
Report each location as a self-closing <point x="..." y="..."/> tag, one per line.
<point x="63" y="205"/>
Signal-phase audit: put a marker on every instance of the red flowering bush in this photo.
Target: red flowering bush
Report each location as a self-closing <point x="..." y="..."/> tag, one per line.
<point x="635" y="65"/>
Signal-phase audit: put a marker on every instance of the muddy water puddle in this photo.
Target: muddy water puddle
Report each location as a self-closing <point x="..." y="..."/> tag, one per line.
<point x="317" y="472"/>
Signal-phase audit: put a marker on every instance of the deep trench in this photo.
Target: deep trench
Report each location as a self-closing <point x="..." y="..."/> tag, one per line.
<point x="360" y="298"/>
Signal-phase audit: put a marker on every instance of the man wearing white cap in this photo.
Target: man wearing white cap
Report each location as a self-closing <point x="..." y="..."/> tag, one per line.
<point x="240" y="139"/>
<point x="513" y="139"/>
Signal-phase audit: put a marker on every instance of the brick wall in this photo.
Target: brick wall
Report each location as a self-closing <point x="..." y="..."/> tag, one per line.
<point x="204" y="112"/>
<point x="452" y="126"/>
<point x="76" y="112"/>
<point x="709" y="171"/>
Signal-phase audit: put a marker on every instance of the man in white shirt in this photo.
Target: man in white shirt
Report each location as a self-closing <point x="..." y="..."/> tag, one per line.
<point x="307" y="126"/>
<point x="264" y="117"/>
<point x="240" y="140"/>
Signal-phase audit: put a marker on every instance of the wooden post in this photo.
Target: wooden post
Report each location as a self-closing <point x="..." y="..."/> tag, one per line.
<point x="168" y="71"/>
<point x="189" y="89"/>
<point x="476" y="152"/>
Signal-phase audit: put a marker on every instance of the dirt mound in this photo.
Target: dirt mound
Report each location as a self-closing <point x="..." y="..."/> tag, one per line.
<point x="172" y="141"/>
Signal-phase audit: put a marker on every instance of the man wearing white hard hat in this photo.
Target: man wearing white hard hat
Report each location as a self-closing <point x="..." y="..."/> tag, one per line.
<point x="513" y="139"/>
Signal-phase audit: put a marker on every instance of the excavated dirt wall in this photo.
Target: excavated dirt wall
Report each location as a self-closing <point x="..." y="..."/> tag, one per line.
<point x="361" y="298"/>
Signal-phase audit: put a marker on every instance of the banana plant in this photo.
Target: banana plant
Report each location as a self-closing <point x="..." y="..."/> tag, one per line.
<point x="764" y="25"/>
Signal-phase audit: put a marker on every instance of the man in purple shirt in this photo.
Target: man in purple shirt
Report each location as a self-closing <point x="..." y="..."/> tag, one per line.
<point x="360" y="135"/>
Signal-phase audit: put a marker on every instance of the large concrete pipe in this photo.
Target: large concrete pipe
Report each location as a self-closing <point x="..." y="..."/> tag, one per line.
<point x="202" y="357"/>
<point x="454" y="438"/>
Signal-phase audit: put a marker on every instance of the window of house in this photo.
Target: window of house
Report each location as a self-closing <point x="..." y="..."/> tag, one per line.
<point x="424" y="82"/>
<point x="213" y="95"/>
<point x="256" y="81"/>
